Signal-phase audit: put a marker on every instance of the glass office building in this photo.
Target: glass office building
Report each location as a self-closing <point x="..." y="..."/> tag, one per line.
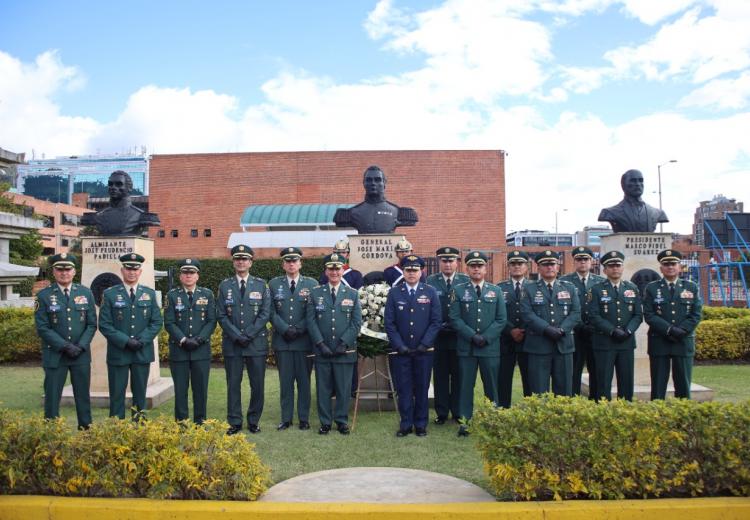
<point x="57" y="179"/>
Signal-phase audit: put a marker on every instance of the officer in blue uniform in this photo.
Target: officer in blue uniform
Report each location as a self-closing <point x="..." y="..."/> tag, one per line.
<point x="393" y="274"/>
<point x="477" y="312"/>
<point x="190" y="319"/>
<point x="412" y="321"/>
<point x="130" y="319"/>
<point x="65" y="316"/>
<point x="511" y="341"/>
<point x="673" y="309"/>
<point x="445" y="362"/>
<point x="550" y="310"/>
<point x="243" y="308"/>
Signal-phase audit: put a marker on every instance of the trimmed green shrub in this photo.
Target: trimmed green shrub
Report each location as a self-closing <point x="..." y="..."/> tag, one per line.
<point x="724" y="313"/>
<point x="159" y="459"/>
<point x="570" y="448"/>
<point x="18" y="338"/>
<point x="723" y="339"/>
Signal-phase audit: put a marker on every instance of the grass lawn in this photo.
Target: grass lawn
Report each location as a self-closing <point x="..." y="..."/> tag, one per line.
<point x="294" y="452"/>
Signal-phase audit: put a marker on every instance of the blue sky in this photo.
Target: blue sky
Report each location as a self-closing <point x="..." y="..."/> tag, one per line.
<point x="576" y="91"/>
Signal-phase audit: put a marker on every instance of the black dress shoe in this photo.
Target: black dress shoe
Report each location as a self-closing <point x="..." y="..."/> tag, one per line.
<point x="253" y="428"/>
<point x="440" y="420"/>
<point x="344" y="429"/>
<point x="234" y="430"/>
<point x="403" y="432"/>
<point x="421" y="432"/>
<point x="324" y="429"/>
<point x="304" y="425"/>
<point x="284" y="425"/>
<point x="463" y="431"/>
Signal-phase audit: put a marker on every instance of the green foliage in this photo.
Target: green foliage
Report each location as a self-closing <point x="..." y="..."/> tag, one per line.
<point x="370" y="347"/>
<point x="566" y="448"/>
<point x="159" y="459"/>
<point x="724" y="313"/>
<point x="6" y="200"/>
<point x="723" y="339"/>
<point x="27" y="247"/>
<point x="18" y="338"/>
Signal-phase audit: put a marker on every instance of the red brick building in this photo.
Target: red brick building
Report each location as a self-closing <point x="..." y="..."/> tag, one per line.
<point x="459" y="195"/>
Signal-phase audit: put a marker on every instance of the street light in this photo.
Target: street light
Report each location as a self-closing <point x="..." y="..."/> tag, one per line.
<point x="658" y="170"/>
<point x="557" y="237"/>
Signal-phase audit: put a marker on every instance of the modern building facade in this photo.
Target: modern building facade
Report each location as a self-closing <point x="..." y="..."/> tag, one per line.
<point x="716" y="208"/>
<point x="591" y="235"/>
<point x="536" y="237"/>
<point x="61" y="224"/>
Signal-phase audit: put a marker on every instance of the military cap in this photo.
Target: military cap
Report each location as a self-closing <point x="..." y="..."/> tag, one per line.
<point x="133" y="260"/>
<point x="291" y="253"/>
<point x="669" y="255"/>
<point x="190" y="265"/>
<point x="403" y="245"/>
<point x="242" y="251"/>
<point x="475" y="257"/>
<point x="517" y="256"/>
<point x="412" y="262"/>
<point x="582" y="252"/>
<point x="334" y="260"/>
<point x="612" y="257"/>
<point x="447" y="252"/>
<point x="341" y="246"/>
<point x="62" y="260"/>
<point x="546" y="257"/>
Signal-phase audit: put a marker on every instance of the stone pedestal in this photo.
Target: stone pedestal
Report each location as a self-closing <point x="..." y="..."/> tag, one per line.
<point x="369" y="253"/>
<point x="641" y="267"/>
<point x="99" y="263"/>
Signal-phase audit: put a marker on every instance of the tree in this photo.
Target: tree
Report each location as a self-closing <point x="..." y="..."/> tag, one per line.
<point x="27" y="249"/>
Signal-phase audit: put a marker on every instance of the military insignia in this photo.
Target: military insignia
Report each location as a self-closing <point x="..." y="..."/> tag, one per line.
<point x="446" y="250"/>
<point x="423" y="299"/>
<point x="188" y="261"/>
<point x="490" y="294"/>
<point x="563" y="295"/>
<point x="686" y="294"/>
<point x="304" y="293"/>
<point x="201" y="301"/>
<point x="400" y="307"/>
<point x="132" y="256"/>
<point x="629" y="293"/>
<point x="36" y="303"/>
<point x="290" y="250"/>
<point x="476" y="254"/>
<point x="346" y="302"/>
<point x="515" y="253"/>
<point x="242" y="248"/>
<point x="580" y="250"/>
<point x="255" y="295"/>
<point x="334" y="257"/>
<point x="548" y="253"/>
<point x="80" y="300"/>
<point x="668" y="252"/>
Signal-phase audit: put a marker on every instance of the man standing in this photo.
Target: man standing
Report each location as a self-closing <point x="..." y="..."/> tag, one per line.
<point x="412" y="321"/>
<point x="445" y="363"/>
<point x="550" y="310"/>
<point x="477" y="312"/>
<point x="583" y="279"/>
<point x="350" y="277"/>
<point x="672" y="308"/>
<point x="130" y="319"/>
<point x="190" y="319"/>
<point x="243" y="308"/>
<point x="511" y="341"/>
<point x="394" y="274"/>
<point x="615" y="313"/>
<point x="65" y="316"/>
<point x="291" y="342"/>
<point x="334" y="318"/>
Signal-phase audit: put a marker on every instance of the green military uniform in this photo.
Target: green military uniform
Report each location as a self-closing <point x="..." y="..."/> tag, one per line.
<point x="243" y="315"/>
<point x="334" y="324"/>
<point x="476" y="316"/>
<point x="582" y="340"/>
<point x="611" y="310"/>
<point x="672" y="314"/>
<point x="550" y="317"/>
<point x="445" y="363"/>
<point x="291" y="342"/>
<point x="510" y="351"/>
<point x="123" y="317"/>
<point x="190" y="319"/>
<point x="61" y="322"/>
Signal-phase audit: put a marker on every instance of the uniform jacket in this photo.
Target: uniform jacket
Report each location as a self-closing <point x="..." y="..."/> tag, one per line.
<point x="290" y="309"/>
<point x="539" y="311"/>
<point x="470" y="316"/>
<point x="607" y="311"/>
<point x="119" y="320"/>
<point x="591" y="280"/>
<point x="513" y="311"/>
<point x="183" y="321"/>
<point x="59" y="322"/>
<point x="447" y="337"/>
<point x="328" y="322"/>
<point x="662" y="311"/>
<point x="243" y="316"/>
<point x="411" y="321"/>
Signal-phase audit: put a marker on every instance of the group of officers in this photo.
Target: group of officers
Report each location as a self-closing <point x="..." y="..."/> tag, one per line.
<point x="443" y="328"/>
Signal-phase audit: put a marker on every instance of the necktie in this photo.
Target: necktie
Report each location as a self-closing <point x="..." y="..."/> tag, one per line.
<point x="615" y="291"/>
<point x="671" y="290"/>
<point x="242" y="288"/>
<point x="518" y="291"/>
<point x="411" y="293"/>
<point x="549" y="288"/>
<point x="66" y="292"/>
<point x="479" y="292"/>
<point x="132" y="295"/>
<point x="292" y="286"/>
<point x="583" y="281"/>
<point x="190" y="298"/>
<point x="333" y="295"/>
<point x="448" y="284"/>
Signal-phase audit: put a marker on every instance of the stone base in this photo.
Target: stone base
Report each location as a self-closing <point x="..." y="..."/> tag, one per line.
<point x="158" y="392"/>
<point x="643" y="392"/>
<point x="368" y="401"/>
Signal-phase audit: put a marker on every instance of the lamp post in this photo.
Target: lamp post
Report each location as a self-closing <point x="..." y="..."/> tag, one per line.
<point x="557" y="238"/>
<point x="658" y="171"/>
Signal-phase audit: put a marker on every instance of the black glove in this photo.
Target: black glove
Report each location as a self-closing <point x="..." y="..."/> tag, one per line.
<point x="134" y="344"/>
<point x="677" y="332"/>
<point x="340" y="348"/>
<point x="325" y="350"/>
<point x="291" y="333"/>
<point x="190" y="344"/>
<point x="200" y="340"/>
<point x="402" y="350"/>
<point x="478" y="340"/>
<point x="554" y="333"/>
<point x="421" y="349"/>
<point x="447" y="328"/>
<point x="71" y="350"/>
<point x="619" y="335"/>
<point x="243" y="341"/>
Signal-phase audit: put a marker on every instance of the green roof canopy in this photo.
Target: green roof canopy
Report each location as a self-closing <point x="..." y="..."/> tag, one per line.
<point x="290" y="214"/>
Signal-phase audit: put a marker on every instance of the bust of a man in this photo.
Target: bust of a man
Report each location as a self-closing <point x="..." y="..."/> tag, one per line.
<point x="632" y="214"/>
<point x="121" y="218"/>
<point x="375" y="214"/>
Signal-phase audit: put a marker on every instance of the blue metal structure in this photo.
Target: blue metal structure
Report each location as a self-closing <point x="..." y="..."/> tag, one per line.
<point x="728" y="276"/>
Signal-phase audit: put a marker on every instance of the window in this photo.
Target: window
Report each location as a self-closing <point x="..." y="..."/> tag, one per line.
<point x="65" y="242"/>
<point x="68" y="219"/>
<point x="175" y="233"/>
<point x="207" y="233"/>
<point x="48" y="222"/>
<point x="193" y="233"/>
<point x="161" y="233"/>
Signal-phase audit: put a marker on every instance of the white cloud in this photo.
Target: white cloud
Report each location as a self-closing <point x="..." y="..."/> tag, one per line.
<point x="721" y="93"/>
<point x="652" y="11"/>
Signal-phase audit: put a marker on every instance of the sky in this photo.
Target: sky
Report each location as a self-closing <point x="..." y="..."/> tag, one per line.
<point x="576" y="92"/>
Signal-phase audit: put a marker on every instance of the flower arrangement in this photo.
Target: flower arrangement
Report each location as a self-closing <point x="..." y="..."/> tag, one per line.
<point x="372" y="339"/>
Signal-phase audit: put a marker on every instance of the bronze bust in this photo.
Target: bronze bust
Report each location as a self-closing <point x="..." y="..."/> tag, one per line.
<point x="632" y="214"/>
<point x="121" y="218"/>
<point x="375" y="214"/>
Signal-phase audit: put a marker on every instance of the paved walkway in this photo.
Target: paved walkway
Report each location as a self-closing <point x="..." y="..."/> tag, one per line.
<point x="376" y="485"/>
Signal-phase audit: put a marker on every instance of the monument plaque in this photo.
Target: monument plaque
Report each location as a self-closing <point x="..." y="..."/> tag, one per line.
<point x="369" y="253"/>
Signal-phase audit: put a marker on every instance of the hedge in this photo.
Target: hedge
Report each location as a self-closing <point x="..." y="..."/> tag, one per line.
<point x="18" y="338"/>
<point x="724" y="313"/>
<point x="723" y="339"/>
<point x="571" y="448"/>
<point x="160" y="459"/>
